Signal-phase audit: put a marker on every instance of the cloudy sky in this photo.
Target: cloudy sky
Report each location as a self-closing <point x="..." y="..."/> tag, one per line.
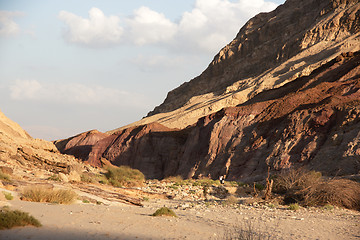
<point x="71" y="66"/>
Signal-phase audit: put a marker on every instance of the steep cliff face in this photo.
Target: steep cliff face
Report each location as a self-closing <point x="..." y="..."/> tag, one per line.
<point x="271" y="50"/>
<point x="313" y="120"/>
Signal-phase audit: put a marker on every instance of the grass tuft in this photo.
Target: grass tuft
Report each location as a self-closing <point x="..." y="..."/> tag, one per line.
<point x="294" y="207"/>
<point x="15" y="218"/>
<point x="164" y="211"/>
<point x="37" y="194"/>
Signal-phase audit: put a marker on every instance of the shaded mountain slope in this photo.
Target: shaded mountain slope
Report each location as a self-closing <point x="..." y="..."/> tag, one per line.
<point x="313" y="120"/>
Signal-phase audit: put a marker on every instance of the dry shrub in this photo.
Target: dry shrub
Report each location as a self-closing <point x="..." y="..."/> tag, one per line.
<point x="337" y="192"/>
<point x="39" y="194"/>
<point x="125" y="176"/>
<point x="246" y="231"/>
<point x="295" y="179"/>
<point x="171" y="179"/>
<point x="310" y="189"/>
<point x="15" y="218"/>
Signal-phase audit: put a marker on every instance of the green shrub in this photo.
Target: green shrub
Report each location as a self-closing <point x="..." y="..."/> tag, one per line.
<point x="85" y="201"/>
<point x="294" y="207"/>
<point x="8" y="195"/>
<point x="124" y="176"/>
<point x="15" y="218"/>
<point x="164" y="211"/>
<point x="38" y="194"/>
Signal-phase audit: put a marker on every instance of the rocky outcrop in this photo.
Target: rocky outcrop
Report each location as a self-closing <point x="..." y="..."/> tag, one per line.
<point x="271" y="50"/>
<point x="81" y="144"/>
<point x="313" y="120"/>
<point x="32" y="158"/>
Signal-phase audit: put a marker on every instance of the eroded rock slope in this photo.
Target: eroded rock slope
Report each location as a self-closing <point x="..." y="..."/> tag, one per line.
<point x="313" y="120"/>
<point x="269" y="51"/>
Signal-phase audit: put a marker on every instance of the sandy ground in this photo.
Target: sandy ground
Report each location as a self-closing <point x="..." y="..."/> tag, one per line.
<point x="121" y="221"/>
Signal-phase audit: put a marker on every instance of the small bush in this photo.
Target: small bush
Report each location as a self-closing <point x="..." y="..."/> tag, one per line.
<point x="125" y="176"/>
<point x="146" y="199"/>
<point x="55" y="177"/>
<point x="294" y="207"/>
<point x="37" y="194"/>
<point x="328" y="207"/>
<point x="85" y="201"/>
<point x="8" y="196"/>
<point x="230" y="200"/>
<point x="295" y="179"/>
<point x="164" y="211"/>
<point x="10" y="219"/>
<point x="338" y="192"/>
<point x="247" y="231"/>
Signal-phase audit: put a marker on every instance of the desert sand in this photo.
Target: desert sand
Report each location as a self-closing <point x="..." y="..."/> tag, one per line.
<point x="196" y="220"/>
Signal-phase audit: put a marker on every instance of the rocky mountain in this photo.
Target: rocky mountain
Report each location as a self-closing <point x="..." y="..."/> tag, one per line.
<point x="284" y="92"/>
<point x="26" y="157"/>
<point x="269" y="51"/>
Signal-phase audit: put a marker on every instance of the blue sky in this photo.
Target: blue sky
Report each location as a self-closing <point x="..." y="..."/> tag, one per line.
<point x="71" y="66"/>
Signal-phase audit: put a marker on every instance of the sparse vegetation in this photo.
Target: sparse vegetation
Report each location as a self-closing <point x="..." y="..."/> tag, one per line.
<point x="38" y="194"/>
<point x="85" y="201"/>
<point x="15" y="218"/>
<point x="230" y="200"/>
<point x="146" y="199"/>
<point x="55" y="177"/>
<point x="308" y="188"/>
<point x="328" y="207"/>
<point x="246" y="231"/>
<point x="294" y="207"/>
<point x="337" y="192"/>
<point x="8" y="196"/>
<point x="124" y="176"/>
<point x="164" y="211"/>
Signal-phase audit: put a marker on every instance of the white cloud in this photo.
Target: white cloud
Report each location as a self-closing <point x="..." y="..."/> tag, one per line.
<point x="74" y="93"/>
<point x="96" y="31"/>
<point x="209" y="26"/>
<point x="148" y="26"/>
<point x="8" y="27"/>
<point x="213" y="23"/>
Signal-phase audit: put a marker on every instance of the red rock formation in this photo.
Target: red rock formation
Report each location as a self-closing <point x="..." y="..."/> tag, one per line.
<point x="313" y="121"/>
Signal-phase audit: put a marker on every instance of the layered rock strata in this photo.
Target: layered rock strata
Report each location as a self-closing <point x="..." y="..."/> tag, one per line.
<point x="313" y="120"/>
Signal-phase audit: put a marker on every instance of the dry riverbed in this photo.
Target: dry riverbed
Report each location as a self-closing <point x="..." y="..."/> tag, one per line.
<point x="197" y="219"/>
